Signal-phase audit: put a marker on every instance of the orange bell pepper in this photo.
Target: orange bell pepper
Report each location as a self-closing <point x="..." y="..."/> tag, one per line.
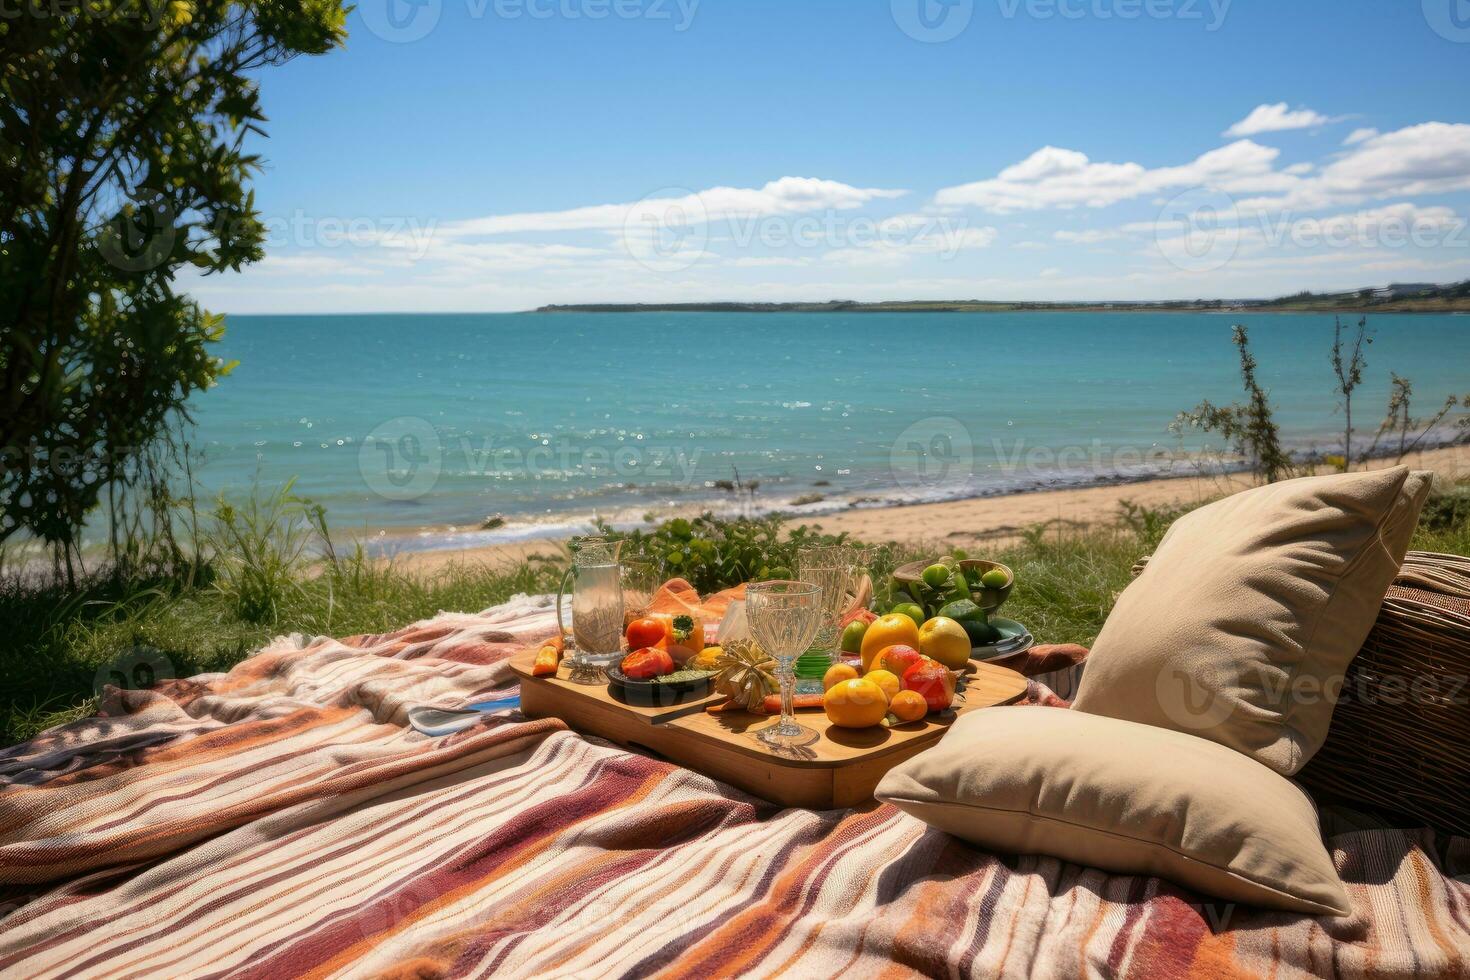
<point x="548" y="658"/>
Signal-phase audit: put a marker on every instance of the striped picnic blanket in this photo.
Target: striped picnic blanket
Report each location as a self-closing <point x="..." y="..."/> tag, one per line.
<point x="283" y="820"/>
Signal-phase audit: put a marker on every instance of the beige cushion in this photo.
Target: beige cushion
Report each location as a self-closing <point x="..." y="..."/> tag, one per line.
<point x="1240" y="628"/>
<point x="1123" y="797"/>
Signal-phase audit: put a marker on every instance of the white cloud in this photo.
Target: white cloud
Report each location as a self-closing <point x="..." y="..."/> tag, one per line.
<point x="788" y="195"/>
<point x="907" y="235"/>
<point x="1430" y="158"/>
<point x="1359" y="136"/>
<point x="1090" y="236"/>
<point x="1058" y="178"/>
<point x="1274" y="119"/>
<point x="769" y="261"/>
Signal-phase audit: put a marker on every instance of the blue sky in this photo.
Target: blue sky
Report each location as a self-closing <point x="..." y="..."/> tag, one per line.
<point x="501" y="154"/>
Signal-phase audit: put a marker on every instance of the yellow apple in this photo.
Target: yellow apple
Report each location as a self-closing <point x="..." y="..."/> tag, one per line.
<point x="946" y="641"/>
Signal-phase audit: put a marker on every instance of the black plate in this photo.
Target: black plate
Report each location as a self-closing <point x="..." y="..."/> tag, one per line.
<point x="653" y="694"/>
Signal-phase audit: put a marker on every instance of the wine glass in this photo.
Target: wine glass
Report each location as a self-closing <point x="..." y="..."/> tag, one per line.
<point x="784" y="617"/>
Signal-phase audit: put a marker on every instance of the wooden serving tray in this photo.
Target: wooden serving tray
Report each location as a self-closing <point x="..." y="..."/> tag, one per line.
<point x="840" y="769"/>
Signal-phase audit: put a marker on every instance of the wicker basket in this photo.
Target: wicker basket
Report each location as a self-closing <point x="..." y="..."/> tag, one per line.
<point x="1400" y="737"/>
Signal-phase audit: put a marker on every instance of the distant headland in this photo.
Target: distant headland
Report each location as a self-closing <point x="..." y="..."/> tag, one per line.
<point x="1397" y="298"/>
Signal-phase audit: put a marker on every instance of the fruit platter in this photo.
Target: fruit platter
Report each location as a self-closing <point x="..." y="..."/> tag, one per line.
<point x="899" y="679"/>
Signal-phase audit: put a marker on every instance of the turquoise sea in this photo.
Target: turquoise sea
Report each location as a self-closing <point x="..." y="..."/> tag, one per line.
<point x="429" y="424"/>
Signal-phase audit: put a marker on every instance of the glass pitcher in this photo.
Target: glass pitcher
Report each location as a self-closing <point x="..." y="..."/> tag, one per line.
<point x="596" y="586"/>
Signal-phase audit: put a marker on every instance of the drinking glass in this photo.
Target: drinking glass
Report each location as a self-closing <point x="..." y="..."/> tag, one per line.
<point x="784" y="616"/>
<point x="640" y="582"/>
<point x="596" y="582"/>
<point x="837" y="569"/>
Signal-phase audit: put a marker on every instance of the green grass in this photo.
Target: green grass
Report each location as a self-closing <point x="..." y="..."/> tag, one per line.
<point x="59" y="643"/>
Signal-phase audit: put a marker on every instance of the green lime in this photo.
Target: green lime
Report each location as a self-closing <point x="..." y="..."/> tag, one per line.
<point x="913" y="611"/>
<point x="981" y="632"/>
<point x="995" y="579"/>
<point x="936" y="576"/>
<point x="852" y="636"/>
<point x="961" y="610"/>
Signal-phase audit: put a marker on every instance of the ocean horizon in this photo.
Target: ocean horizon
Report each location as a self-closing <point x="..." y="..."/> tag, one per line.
<point x="422" y="427"/>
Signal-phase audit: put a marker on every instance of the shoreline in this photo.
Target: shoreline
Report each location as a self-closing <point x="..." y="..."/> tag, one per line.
<point x="983" y="521"/>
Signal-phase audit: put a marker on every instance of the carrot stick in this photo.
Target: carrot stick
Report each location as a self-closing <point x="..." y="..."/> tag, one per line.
<point x="799" y="702"/>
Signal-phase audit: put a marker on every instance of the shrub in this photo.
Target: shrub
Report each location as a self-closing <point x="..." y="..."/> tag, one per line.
<point x="712" y="553"/>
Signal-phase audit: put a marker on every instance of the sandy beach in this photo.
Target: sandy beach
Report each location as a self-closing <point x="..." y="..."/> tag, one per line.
<point x="975" y="523"/>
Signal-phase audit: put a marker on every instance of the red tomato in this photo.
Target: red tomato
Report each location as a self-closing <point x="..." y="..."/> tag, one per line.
<point x="648" y="663"/>
<point x="646" y="633"/>
<point x="933" y="681"/>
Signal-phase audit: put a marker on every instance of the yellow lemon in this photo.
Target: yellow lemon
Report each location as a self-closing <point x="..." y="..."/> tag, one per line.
<point x="836" y="674"/>
<point x="908" y="706"/>
<point x="946" y="641"/>
<point x="855" y="704"/>
<point x="887" y="682"/>
<point x="894" y="629"/>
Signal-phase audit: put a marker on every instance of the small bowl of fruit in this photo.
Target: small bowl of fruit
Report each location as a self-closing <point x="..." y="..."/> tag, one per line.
<point x="664" y="667"/>
<point x="967" y="591"/>
<point x="987" y="584"/>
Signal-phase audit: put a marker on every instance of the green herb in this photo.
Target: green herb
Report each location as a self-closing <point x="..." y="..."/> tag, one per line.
<point x="680" y="676"/>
